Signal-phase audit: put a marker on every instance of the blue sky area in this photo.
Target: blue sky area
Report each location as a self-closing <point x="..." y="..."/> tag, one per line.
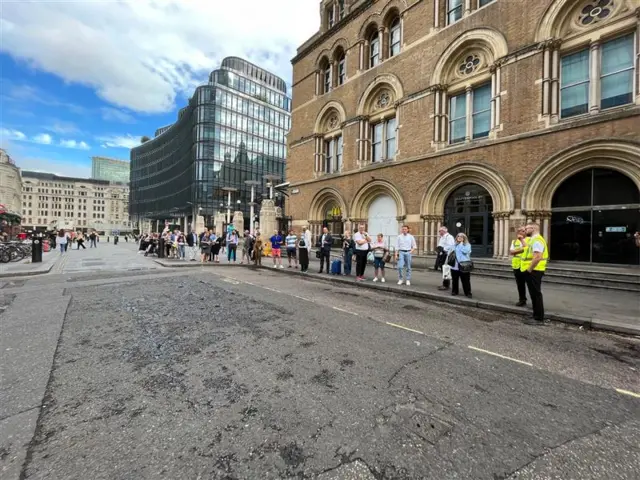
<point x="80" y="79"/>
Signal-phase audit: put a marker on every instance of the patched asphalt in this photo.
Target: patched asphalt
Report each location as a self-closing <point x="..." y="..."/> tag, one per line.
<point x="200" y="375"/>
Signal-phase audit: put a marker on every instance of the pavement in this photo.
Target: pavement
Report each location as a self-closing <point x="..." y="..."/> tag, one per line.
<point x="242" y="373"/>
<point x="26" y="268"/>
<point x="610" y="310"/>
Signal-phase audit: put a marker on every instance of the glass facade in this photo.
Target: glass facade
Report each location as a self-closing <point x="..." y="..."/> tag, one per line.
<point x="110" y="169"/>
<point x="233" y="130"/>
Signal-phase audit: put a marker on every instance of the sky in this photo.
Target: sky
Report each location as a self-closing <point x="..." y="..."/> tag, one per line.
<point x="81" y="78"/>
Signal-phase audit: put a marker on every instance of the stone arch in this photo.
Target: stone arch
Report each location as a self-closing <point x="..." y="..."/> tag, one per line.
<point x="369" y="192"/>
<point x="389" y="12"/>
<point x="322" y="56"/>
<point x="371" y="22"/>
<point x="322" y="200"/>
<point x="325" y="113"/>
<point x="556" y="17"/>
<point x="488" y="41"/>
<point x="622" y="156"/>
<point x="339" y="43"/>
<point x="443" y="185"/>
<point x="385" y="80"/>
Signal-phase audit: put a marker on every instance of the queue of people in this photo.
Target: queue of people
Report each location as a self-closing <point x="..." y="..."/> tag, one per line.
<point x="454" y="255"/>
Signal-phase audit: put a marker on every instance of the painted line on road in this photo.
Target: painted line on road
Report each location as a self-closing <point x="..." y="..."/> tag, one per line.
<point x="404" y="328"/>
<point x="345" y="311"/>
<point x="627" y="392"/>
<point x="500" y="356"/>
<point x="303" y="298"/>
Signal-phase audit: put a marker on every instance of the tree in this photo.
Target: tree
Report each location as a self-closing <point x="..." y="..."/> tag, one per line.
<point x="144" y="139"/>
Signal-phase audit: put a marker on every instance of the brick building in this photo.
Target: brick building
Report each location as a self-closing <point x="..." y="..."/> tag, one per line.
<point x="475" y="114"/>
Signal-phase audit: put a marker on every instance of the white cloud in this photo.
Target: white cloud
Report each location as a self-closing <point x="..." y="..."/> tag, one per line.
<point x="74" y="144"/>
<point x="9" y="134"/>
<point x="43" y="138"/>
<point x="120" y="141"/>
<point x="140" y="54"/>
<point x="116" y="115"/>
<point x="62" y="127"/>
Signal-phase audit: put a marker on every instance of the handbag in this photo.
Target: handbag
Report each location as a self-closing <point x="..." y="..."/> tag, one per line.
<point x="451" y="258"/>
<point x="387" y="258"/>
<point x="466" y="267"/>
<point x="302" y="243"/>
<point x="318" y="254"/>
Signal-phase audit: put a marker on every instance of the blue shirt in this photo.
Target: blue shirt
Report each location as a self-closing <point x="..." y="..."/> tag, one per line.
<point x="291" y="241"/>
<point x="463" y="254"/>
<point x="276" y="241"/>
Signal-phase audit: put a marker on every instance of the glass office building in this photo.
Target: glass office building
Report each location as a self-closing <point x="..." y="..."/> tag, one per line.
<point x="110" y="169"/>
<point x="232" y="130"/>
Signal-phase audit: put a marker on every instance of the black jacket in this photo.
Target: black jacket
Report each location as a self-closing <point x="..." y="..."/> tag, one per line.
<point x="328" y="241"/>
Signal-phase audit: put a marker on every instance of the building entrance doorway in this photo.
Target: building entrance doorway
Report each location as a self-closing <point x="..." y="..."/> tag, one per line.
<point x="468" y="210"/>
<point x="594" y="215"/>
<point x="333" y="221"/>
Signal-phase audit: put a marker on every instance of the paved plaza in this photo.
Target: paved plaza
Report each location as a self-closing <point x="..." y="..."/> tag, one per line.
<point x="113" y="366"/>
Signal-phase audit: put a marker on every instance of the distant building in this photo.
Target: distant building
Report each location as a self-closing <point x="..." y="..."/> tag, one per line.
<point x="110" y="169"/>
<point x="232" y="130"/>
<point x="10" y="184"/>
<point x="49" y="201"/>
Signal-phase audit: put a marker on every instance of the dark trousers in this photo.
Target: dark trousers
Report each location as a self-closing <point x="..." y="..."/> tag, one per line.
<point x="534" y="284"/>
<point x="325" y="256"/>
<point x="465" y="278"/>
<point x="348" y="260"/>
<point x="522" y="284"/>
<point x="81" y="244"/>
<point x="361" y="262"/>
<point x="304" y="259"/>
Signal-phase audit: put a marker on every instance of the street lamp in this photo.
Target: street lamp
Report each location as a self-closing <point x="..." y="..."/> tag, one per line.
<point x="252" y="184"/>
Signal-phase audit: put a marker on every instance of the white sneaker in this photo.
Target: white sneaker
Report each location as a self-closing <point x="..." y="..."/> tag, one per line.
<point x="383" y="280"/>
<point x="281" y="266"/>
<point x="375" y="279"/>
<point x="275" y="266"/>
<point x="400" y="282"/>
<point x="408" y="283"/>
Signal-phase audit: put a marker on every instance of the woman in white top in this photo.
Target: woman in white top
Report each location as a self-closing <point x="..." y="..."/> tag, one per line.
<point x="362" y="241"/>
<point x="62" y="241"/>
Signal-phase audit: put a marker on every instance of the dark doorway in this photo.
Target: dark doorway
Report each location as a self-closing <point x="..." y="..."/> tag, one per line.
<point x="468" y="210"/>
<point x="594" y="216"/>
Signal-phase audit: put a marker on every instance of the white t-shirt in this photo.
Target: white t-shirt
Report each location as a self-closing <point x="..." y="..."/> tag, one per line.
<point x="61" y="240"/>
<point x="359" y="237"/>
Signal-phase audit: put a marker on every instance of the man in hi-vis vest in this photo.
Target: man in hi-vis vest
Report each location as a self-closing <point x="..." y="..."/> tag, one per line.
<point x="533" y="264"/>
<point x="517" y="249"/>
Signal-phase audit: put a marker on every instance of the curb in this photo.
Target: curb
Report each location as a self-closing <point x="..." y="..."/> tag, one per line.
<point x="584" y="322"/>
<point x="26" y="274"/>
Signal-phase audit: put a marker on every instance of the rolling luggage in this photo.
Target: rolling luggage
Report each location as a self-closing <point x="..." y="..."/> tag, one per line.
<point x="336" y="267"/>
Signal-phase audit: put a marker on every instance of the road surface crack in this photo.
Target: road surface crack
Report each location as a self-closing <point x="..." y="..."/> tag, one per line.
<point x="414" y="361"/>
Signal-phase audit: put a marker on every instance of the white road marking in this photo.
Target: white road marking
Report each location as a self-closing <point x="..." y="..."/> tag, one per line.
<point x="627" y="392"/>
<point x="405" y="328"/>
<point x="303" y="298"/>
<point x="500" y="356"/>
<point x="345" y="311"/>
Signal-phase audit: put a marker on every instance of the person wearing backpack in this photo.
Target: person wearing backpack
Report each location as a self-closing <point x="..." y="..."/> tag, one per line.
<point x="304" y="246"/>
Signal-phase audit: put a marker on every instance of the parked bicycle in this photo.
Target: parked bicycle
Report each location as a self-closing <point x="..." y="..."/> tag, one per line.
<point x="14" y="251"/>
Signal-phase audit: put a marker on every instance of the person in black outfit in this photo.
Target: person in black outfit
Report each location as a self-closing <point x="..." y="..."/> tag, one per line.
<point x="326" y="240"/>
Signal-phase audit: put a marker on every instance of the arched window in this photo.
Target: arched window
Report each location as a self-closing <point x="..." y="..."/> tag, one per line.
<point x="589" y="52"/>
<point x="374" y="49"/>
<point x="341" y="66"/>
<point x="466" y="83"/>
<point x="325" y="76"/>
<point x="329" y="144"/>
<point x="395" y="37"/>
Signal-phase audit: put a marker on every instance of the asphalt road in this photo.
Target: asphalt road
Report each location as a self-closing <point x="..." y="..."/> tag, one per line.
<point x="235" y="373"/>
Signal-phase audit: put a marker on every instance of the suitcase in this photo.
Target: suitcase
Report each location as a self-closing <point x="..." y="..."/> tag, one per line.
<point x="336" y="267"/>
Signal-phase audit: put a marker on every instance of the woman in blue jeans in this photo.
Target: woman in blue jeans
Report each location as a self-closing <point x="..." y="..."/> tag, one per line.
<point x="348" y="246"/>
<point x="462" y="251"/>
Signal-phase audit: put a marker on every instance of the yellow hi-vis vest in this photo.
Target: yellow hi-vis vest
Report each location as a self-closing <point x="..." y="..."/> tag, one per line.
<point x="516" y="261"/>
<point x="527" y="255"/>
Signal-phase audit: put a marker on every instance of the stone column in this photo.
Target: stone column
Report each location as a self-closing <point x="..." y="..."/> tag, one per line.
<point x="496" y="101"/>
<point x="594" y="78"/>
<point x="268" y="221"/>
<point x="219" y="224"/>
<point x="555" y="81"/>
<point x="469" y="100"/>
<point x="363" y="48"/>
<point x="318" y="83"/>
<point x="383" y="41"/>
<point x="497" y="235"/>
<point x="238" y="222"/>
<point x="506" y="236"/>
<point x="467" y="7"/>
<point x="436" y="13"/>
<point x="444" y="134"/>
<point x="546" y="87"/>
